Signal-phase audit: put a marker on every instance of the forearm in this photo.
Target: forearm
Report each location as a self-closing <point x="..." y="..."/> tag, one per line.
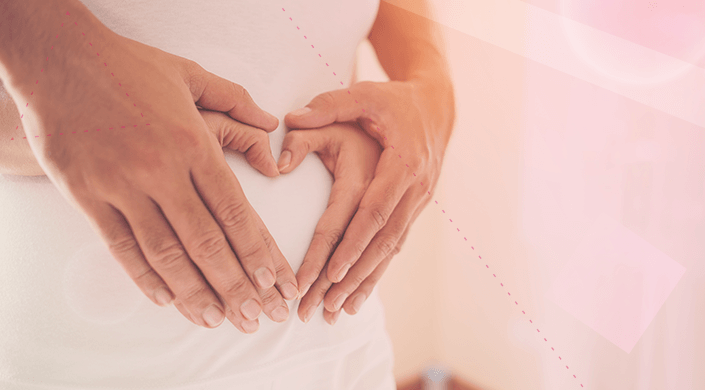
<point x="37" y="58"/>
<point x="409" y="48"/>
<point x="408" y="45"/>
<point x="28" y="31"/>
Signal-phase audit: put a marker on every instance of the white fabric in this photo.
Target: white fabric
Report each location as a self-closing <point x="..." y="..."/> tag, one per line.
<point x="72" y="319"/>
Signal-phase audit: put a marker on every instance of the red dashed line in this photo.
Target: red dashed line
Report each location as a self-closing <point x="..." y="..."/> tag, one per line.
<point x="42" y="71"/>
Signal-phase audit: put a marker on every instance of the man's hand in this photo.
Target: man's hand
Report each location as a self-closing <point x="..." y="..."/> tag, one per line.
<point x="161" y="196"/>
<point x="406" y="119"/>
<point x="351" y="156"/>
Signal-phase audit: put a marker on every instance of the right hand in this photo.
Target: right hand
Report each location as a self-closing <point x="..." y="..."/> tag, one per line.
<point x="162" y="197"/>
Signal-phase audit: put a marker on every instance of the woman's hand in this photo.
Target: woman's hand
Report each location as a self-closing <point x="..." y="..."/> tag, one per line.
<point x="351" y="156"/>
<point x="412" y="120"/>
<point x="159" y="193"/>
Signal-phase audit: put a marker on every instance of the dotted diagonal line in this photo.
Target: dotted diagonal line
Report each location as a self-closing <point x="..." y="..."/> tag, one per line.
<point x="458" y="230"/>
<point x="84" y="131"/>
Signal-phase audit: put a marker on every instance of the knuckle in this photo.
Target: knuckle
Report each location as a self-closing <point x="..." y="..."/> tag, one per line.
<point x="261" y="137"/>
<point x="236" y="288"/>
<point x="145" y="276"/>
<point x="378" y="215"/>
<point x="252" y="253"/>
<point x="167" y="255"/>
<point x="208" y="248"/>
<point x="270" y="298"/>
<point x="397" y="249"/>
<point x="258" y="151"/>
<point x="331" y="238"/>
<point x="122" y="246"/>
<point x="359" y="247"/>
<point x="356" y="280"/>
<point x="299" y="141"/>
<point x="326" y="98"/>
<point x="386" y="244"/>
<point x="195" y="295"/>
<point x="232" y="213"/>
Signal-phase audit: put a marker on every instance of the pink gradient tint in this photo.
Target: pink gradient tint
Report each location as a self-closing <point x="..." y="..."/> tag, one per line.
<point x="674" y="27"/>
<point x="615" y="282"/>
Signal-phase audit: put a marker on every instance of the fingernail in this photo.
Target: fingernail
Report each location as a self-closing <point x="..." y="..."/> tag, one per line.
<point x="357" y="302"/>
<point x="300" y="111"/>
<point x="213" y="316"/>
<point x="304" y="291"/>
<point x="250" y="309"/>
<point x="334" y="319"/>
<point x="264" y="277"/>
<point x="163" y="296"/>
<point x="284" y="160"/>
<point x="342" y="273"/>
<point x="339" y="301"/>
<point x="250" y="326"/>
<point x="289" y="291"/>
<point x="309" y="313"/>
<point x="281" y="313"/>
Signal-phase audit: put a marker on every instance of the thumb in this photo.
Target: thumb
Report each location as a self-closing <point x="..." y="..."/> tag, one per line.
<point x="298" y="143"/>
<point x="218" y="94"/>
<point x="251" y="141"/>
<point x="326" y="108"/>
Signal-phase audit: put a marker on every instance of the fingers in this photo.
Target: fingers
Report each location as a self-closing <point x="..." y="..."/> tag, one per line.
<point x="314" y="296"/>
<point x="118" y="236"/>
<point x="286" y="286"/>
<point x="345" y="197"/>
<point x="222" y="193"/>
<point x="169" y="259"/>
<point x="285" y="278"/>
<point x="377" y="205"/>
<point x="205" y="243"/>
<point x="353" y="171"/>
<point x="354" y="302"/>
<point x="251" y="141"/>
<point x="218" y="94"/>
<point x="324" y="109"/>
<point x="384" y="244"/>
<point x="297" y="144"/>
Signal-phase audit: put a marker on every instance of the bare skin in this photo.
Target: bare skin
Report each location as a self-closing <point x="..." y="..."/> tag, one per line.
<point x="161" y="197"/>
<point x="412" y="115"/>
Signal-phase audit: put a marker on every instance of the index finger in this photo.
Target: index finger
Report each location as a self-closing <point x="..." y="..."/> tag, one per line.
<point x="344" y="199"/>
<point x="384" y="193"/>
<point x="218" y="94"/>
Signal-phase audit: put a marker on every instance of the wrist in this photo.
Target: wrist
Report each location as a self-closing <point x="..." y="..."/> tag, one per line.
<point x="437" y="100"/>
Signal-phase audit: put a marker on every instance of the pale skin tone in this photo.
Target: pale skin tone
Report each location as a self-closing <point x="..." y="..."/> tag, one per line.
<point x="374" y="200"/>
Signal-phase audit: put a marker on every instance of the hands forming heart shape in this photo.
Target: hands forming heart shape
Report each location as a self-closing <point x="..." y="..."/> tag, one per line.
<point x="171" y="210"/>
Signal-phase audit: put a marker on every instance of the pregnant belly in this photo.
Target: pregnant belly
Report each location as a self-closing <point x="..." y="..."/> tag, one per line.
<point x="67" y="304"/>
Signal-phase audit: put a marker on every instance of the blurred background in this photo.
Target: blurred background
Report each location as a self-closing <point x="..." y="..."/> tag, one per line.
<point x="576" y="172"/>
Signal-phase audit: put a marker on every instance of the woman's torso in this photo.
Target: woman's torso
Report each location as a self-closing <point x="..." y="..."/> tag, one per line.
<point x="72" y="317"/>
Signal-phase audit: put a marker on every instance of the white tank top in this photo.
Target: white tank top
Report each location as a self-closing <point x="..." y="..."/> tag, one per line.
<point x="72" y="319"/>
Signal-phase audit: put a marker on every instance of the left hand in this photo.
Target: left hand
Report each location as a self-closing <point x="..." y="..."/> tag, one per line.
<point x="351" y="157"/>
<point x="412" y="120"/>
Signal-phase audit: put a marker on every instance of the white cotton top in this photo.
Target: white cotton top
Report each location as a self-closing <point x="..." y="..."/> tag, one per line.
<point x="70" y="316"/>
